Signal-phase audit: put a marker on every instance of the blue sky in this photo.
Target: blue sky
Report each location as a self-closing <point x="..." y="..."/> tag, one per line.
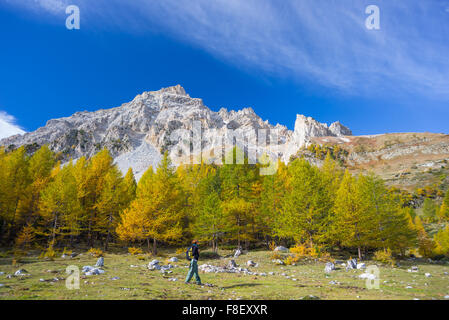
<point x="281" y="58"/>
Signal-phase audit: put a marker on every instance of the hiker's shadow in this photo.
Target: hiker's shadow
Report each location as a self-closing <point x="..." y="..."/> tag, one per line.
<point x="242" y="285"/>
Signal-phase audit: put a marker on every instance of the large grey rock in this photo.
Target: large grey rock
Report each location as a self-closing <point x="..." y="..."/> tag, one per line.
<point x="237" y="253"/>
<point x="153" y="262"/>
<point x="329" y="267"/>
<point x="91" y="271"/>
<point x="100" y="262"/>
<point x="21" y="272"/>
<point x="351" y="264"/>
<point x="154" y="265"/>
<point x="173" y="259"/>
<point x="361" y="266"/>
<point x="232" y="264"/>
<point x="281" y="249"/>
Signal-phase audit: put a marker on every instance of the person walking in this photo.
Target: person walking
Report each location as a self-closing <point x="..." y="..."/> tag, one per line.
<point x="193" y="254"/>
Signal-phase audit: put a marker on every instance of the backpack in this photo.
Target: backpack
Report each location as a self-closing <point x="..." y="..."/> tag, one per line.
<point x="189" y="253"/>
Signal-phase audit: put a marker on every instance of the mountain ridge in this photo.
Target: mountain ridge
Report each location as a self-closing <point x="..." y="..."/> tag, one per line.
<point x="137" y="132"/>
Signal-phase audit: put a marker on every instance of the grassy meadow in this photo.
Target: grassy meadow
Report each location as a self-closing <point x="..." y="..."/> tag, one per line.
<point x="136" y="281"/>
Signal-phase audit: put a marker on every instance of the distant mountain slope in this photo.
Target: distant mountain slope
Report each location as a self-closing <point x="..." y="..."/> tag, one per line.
<point x="405" y="160"/>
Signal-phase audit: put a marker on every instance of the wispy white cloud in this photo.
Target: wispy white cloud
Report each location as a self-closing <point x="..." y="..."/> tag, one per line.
<point x="8" y="126"/>
<point x="50" y="6"/>
<point x="324" y="42"/>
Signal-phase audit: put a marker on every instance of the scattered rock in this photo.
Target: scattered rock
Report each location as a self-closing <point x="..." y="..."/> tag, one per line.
<point x="73" y="255"/>
<point x="351" y="264"/>
<point x="428" y="275"/>
<point x="361" y="266"/>
<point x="166" y="269"/>
<point x="100" y="262"/>
<point x="232" y="264"/>
<point x="173" y="259"/>
<point x="329" y="267"/>
<point x="278" y="262"/>
<point x="369" y="276"/>
<point x="207" y="268"/>
<point x="154" y="265"/>
<point x="414" y="269"/>
<point x="1" y="273"/>
<point x="52" y="271"/>
<point x="21" y="272"/>
<point x="64" y="256"/>
<point x="237" y="253"/>
<point x="251" y="263"/>
<point x="408" y="287"/>
<point x="115" y="278"/>
<point x="173" y="279"/>
<point x="271" y="273"/>
<point x="446" y="297"/>
<point x="281" y="249"/>
<point x="1" y="285"/>
<point x="91" y="271"/>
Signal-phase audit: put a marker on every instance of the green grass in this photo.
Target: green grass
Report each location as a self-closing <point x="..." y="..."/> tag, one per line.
<point x="141" y="283"/>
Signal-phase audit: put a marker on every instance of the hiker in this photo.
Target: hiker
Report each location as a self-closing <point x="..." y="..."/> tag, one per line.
<point x="193" y="254"/>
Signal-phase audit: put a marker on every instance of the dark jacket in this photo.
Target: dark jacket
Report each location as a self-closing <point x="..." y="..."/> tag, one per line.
<point x="195" y="252"/>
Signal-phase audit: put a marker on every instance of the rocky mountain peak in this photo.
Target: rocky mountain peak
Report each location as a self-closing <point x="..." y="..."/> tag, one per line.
<point x="137" y="132"/>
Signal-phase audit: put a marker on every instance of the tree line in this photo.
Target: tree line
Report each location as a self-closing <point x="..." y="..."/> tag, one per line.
<point x="45" y="204"/>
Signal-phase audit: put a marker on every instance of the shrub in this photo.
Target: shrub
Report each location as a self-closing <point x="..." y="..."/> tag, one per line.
<point x="276" y="255"/>
<point x="95" y="252"/>
<point x="48" y="254"/>
<point x="307" y="251"/>
<point x="180" y="251"/>
<point x="135" y="251"/>
<point x="384" y="256"/>
<point x="292" y="259"/>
